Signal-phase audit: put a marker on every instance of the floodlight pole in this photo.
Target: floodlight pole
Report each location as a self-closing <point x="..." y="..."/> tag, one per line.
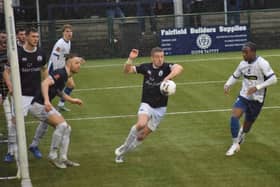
<point x="13" y="59"/>
<point x="226" y="11"/>
<point x="178" y="12"/>
<point x="38" y="20"/>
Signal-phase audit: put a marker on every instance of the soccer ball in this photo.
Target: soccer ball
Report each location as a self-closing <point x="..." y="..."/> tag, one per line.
<point x="168" y="87"/>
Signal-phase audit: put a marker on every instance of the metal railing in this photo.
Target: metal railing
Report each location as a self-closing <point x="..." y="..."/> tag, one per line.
<point x="102" y="37"/>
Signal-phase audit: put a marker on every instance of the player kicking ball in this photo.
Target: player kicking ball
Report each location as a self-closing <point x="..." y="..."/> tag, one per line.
<point x="42" y="109"/>
<point x="257" y="76"/>
<point x="153" y="104"/>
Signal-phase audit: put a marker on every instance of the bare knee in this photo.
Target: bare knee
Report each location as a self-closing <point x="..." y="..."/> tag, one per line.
<point x="237" y="112"/>
<point x="140" y="126"/>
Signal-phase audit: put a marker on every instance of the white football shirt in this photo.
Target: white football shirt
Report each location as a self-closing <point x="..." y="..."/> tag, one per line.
<point x="59" y="51"/>
<point x="253" y="74"/>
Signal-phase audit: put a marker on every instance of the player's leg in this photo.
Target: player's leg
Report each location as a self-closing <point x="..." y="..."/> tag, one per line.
<point x="141" y="135"/>
<point x="57" y="121"/>
<point x="239" y="108"/>
<point x="132" y="136"/>
<point x="12" y="134"/>
<point x="60" y="126"/>
<point x="251" y="115"/>
<point x="8" y="115"/>
<point x="12" y="140"/>
<point x="156" y="115"/>
<point x="135" y="129"/>
<point x="64" y="148"/>
<point x="41" y="130"/>
<point x="70" y="85"/>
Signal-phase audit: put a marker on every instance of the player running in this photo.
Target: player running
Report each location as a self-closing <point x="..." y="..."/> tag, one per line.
<point x="153" y="104"/>
<point x="42" y="109"/>
<point x="257" y="76"/>
<point x="57" y="60"/>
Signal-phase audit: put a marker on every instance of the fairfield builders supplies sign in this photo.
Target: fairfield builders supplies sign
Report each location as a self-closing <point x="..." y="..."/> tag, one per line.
<point x="199" y="40"/>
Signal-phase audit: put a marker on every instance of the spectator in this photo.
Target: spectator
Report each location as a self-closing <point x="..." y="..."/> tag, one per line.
<point x="234" y="18"/>
<point x="187" y="10"/>
<point x="146" y="8"/>
<point x="197" y="7"/>
<point x="113" y="10"/>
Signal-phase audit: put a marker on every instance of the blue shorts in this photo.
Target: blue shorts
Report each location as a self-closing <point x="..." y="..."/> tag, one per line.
<point x="250" y="108"/>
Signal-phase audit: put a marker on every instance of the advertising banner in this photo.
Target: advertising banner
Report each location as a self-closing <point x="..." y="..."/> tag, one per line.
<point x="199" y="40"/>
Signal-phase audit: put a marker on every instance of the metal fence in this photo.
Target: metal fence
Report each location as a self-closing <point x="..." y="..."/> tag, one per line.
<point x="103" y="37"/>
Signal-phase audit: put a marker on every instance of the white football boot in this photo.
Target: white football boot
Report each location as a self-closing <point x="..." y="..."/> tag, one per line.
<point x="235" y="147"/>
<point x="119" y="152"/>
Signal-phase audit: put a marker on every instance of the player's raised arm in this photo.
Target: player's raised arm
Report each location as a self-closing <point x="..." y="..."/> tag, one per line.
<point x="128" y="66"/>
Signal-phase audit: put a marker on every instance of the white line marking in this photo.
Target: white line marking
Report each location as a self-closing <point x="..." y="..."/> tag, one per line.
<point x="168" y="113"/>
<point x="179" y="61"/>
<point x="138" y="86"/>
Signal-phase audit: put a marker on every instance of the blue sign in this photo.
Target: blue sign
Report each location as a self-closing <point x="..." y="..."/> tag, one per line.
<point x="199" y="40"/>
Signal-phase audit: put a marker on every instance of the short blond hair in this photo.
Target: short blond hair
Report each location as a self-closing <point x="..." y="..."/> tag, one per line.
<point x="66" y="26"/>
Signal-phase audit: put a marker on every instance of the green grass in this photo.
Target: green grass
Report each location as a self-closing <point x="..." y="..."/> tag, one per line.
<point x="188" y="148"/>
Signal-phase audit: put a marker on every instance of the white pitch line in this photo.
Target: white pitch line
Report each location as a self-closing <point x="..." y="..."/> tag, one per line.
<point x="138" y="86"/>
<point x="168" y="113"/>
<point x="179" y="61"/>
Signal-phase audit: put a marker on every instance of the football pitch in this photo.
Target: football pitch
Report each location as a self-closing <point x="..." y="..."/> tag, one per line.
<point x="187" y="150"/>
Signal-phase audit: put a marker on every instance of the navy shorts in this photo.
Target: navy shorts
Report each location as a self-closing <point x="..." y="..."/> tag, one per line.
<point x="249" y="107"/>
<point x="50" y="68"/>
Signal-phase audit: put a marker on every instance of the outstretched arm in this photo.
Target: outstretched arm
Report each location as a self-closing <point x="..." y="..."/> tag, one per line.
<point x="128" y="66"/>
<point x="72" y="100"/>
<point x="176" y="70"/>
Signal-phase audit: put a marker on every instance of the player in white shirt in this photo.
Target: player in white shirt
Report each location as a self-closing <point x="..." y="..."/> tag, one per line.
<point x="57" y="60"/>
<point x="257" y="76"/>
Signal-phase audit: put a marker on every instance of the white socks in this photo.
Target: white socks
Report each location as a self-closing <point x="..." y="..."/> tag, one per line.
<point x="41" y="130"/>
<point x="60" y="141"/>
<point x="65" y="143"/>
<point x="57" y="139"/>
<point x="131" y="141"/>
<point x="12" y="139"/>
<point x="11" y="130"/>
<point x="60" y="104"/>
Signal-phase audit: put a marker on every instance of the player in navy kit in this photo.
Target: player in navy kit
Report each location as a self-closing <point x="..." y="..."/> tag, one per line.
<point x="153" y="104"/>
<point x="32" y="62"/>
<point x="57" y="60"/>
<point x="42" y="109"/>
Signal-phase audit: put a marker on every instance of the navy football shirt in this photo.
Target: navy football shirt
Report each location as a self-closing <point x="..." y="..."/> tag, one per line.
<point x="30" y="65"/>
<point x="60" y="78"/>
<point x="151" y="83"/>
